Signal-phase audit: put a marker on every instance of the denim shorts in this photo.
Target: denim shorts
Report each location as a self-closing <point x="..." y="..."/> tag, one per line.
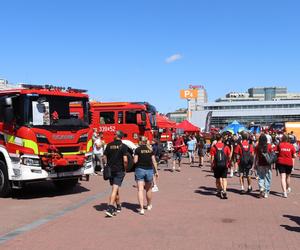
<point x="117" y="178"/>
<point x="145" y="175"/>
<point x="177" y="156"/>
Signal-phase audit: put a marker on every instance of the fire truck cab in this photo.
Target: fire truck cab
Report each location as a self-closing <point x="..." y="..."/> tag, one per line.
<point x="135" y="119"/>
<point x="40" y="139"/>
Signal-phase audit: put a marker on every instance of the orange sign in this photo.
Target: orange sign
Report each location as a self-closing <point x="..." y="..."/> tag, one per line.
<point x="189" y="93"/>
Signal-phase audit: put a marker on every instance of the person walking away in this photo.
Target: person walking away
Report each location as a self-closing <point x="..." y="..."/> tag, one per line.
<point x="157" y="152"/>
<point x="264" y="170"/>
<point x="284" y="164"/>
<point x="191" y="144"/>
<point x="245" y="154"/>
<point x="229" y="142"/>
<point x="177" y="151"/>
<point x="220" y="156"/>
<point x="201" y="150"/>
<point x="235" y="142"/>
<point x="115" y="157"/>
<point x="146" y="167"/>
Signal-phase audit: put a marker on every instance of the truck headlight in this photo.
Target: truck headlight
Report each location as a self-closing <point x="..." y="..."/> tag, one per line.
<point x="83" y="138"/>
<point x="31" y="161"/>
<point x="41" y="138"/>
<point x="88" y="158"/>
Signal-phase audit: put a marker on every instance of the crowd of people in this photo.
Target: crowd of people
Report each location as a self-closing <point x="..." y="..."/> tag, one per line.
<point x="248" y="156"/>
<point x="242" y="154"/>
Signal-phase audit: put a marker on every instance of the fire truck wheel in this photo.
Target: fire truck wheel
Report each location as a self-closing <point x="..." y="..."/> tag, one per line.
<point x="5" y="187"/>
<point x="66" y="184"/>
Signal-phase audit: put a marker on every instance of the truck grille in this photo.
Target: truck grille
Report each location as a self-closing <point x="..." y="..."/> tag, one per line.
<point x="68" y="149"/>
<point x="66" y="169"/>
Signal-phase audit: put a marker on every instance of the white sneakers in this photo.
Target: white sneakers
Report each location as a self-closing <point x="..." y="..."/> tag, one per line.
<point x="285" y="194"/>
<point x="149" y="207"/>
<point x="142" y="211"/>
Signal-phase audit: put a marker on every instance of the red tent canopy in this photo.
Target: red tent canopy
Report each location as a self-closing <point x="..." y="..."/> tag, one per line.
<point x="164" y="122"/>
<point x="186" y="126"/>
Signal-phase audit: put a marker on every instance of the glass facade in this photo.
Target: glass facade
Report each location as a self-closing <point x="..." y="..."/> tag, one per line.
<point x="222" y="122"/>
<point x="257" y="106"/>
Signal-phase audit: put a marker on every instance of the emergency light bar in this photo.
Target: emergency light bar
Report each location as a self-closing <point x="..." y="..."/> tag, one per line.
<point x="52" y="87"/>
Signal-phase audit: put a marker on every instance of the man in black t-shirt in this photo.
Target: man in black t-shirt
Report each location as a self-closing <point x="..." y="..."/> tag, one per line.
<point x="116" y="159"/>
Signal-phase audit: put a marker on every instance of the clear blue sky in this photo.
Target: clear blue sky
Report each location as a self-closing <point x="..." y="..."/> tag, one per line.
<point x="118" y="49"/>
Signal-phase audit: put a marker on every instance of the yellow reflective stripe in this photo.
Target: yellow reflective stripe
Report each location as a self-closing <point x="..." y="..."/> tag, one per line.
<point x="31" y="144"/>
<point x="89" y="145"/>
<point x="73" y="153"/>
<point x="10" y="138"/>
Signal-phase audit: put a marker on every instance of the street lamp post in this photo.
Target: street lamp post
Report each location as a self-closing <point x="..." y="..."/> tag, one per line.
<point x="188" y="109"/>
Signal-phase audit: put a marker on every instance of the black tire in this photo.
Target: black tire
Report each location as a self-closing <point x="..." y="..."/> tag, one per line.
<point x="67" y="184"/>
<point x="5" y="186"/>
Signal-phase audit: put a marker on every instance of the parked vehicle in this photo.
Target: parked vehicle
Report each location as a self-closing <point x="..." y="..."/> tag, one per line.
<point x="135" y="119"/>
<point x="40" y="139"/>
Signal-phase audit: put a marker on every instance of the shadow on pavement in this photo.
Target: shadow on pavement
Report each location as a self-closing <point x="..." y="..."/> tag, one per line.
<point x="131" y="206"/>
<point x="44" y="189"/>
<point x="195" y="166"/>
<point x="295" y="175"/>
<point x="209" y="191"/>
<point x="101" y="207"/>
<point x="295" y="219"/>
<point x="276" y="193"/>
<point x="207" y="171"/>
<point x="236" y="191"/>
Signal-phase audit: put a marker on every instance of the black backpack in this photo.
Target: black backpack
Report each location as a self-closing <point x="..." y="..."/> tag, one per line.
<point x="247" y="158"/>
<point x="220" y="158"/>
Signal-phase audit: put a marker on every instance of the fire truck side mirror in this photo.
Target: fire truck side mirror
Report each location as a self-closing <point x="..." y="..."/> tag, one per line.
<point x="8" y="111"/>
<point x="140" y="120"/>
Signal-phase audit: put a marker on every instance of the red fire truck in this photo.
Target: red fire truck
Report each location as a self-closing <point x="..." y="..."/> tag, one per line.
<point x="40" y="139"/>
<point x="135" y="119"/>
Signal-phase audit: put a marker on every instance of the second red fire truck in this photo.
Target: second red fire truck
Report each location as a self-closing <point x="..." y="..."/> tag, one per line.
<point x="135" y="119"/>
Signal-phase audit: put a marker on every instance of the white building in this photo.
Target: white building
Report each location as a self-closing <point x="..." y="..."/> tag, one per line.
<point x="196" y="104"/>
<point x="260" y="105"/>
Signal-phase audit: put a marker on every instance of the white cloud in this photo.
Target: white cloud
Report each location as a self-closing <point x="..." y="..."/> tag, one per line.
<point x="173" y="58"/>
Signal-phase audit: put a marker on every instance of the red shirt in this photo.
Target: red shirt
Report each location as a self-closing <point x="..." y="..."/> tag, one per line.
<point x="219" y="146"/>
<point x="261" y="161"/>
<point x="178" y="144"/>
<point x="286" y="152"/>
<point x="238" y="150"/>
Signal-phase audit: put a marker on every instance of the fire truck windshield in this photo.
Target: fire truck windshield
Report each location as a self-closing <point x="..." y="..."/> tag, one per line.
<point x="53" y="112"/>
<point x="152" y="117"/>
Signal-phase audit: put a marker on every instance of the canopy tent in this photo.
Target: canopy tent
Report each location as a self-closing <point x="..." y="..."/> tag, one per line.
<point x="163" y="122"/>
<point x="186" y="126"/>
<point x="234" y="128"/>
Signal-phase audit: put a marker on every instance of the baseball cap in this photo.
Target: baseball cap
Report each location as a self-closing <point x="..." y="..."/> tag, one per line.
<point x="119" y="134"/>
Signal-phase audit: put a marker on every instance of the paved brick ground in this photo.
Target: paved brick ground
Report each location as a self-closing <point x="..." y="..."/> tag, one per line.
<point x="186" y="215"/>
